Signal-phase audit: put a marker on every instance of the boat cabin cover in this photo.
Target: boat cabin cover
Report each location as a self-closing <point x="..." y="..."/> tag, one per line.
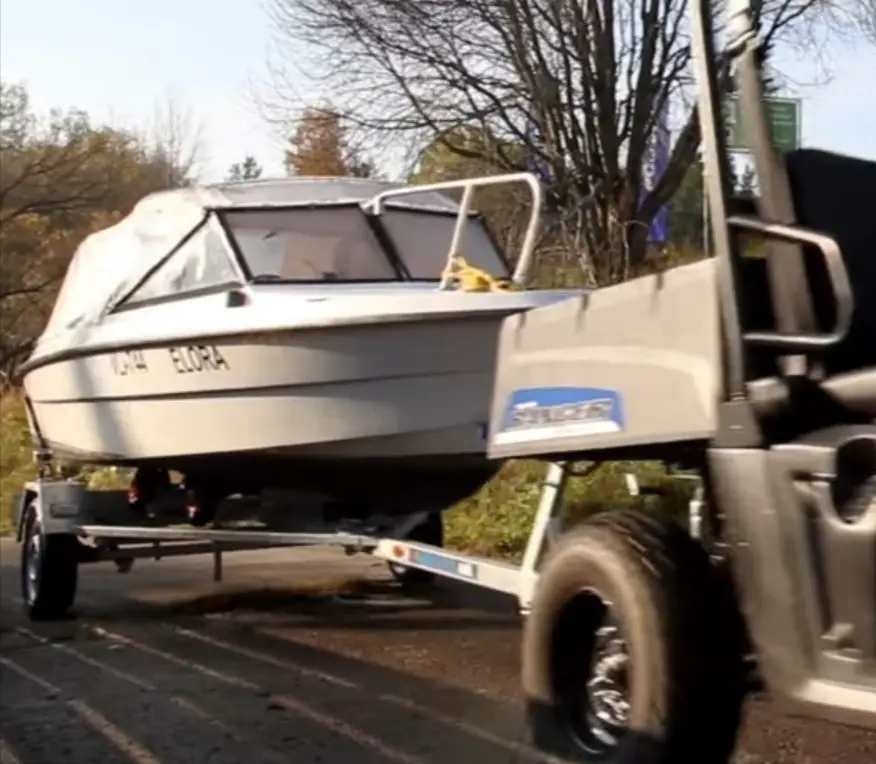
<point x="296" y="230"/>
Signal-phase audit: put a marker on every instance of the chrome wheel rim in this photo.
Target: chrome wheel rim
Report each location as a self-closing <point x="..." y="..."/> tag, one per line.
<point x="592" y="674"/>
<point x="606" y="699"/>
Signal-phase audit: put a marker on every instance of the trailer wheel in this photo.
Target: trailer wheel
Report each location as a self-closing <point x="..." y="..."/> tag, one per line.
<point x="431" y="532"/>
<point x="631" y="651"/>
<point x="202" y="507"/>
<point x="202" y="515"/>
<point x="49" y="571"/>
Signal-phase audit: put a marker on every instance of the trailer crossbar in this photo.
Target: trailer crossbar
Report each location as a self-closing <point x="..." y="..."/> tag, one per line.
<point x="124" y="533"/>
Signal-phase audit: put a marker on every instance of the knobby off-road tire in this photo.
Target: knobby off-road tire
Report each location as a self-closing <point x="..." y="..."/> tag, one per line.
<point x="683" y="679"/>
<point x="49" y="571"/>
<point x="430" y="531"/>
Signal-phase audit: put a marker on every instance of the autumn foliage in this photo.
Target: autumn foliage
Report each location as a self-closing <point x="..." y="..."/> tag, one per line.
<point x="62" y="177"/>
<point x="320" y="146"/>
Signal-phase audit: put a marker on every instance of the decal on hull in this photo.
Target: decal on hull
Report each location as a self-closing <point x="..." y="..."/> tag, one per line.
<point x="197" y="358"/>
<point x="127" y="362"/>
<point x="544" y="413"/>
<point x="186" y="359"/>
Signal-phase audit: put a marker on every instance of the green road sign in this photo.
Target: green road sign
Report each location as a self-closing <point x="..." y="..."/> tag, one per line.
<point x="783" y="115"/>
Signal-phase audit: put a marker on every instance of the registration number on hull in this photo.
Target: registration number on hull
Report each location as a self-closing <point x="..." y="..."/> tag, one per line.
<point x="129" y="362"/>
<point x="183" y="359"/>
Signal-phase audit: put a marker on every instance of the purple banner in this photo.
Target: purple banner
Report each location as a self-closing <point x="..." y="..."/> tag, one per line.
<point x="654" y="164"/>
<point x="532" y="162"/>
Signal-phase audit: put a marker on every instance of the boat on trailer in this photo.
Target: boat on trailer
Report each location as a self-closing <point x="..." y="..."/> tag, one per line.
<point x="297" y="333"/>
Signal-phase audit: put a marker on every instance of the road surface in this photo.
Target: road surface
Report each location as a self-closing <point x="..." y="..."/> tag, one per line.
<point x="146" y="674"/>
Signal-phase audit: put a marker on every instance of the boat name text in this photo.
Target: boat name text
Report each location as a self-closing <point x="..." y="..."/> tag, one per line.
<point x="128" y="362"/>
<point x="192" y="358"/>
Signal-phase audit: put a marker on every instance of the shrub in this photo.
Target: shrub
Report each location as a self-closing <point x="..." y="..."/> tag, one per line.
<point x="497" y="519"/>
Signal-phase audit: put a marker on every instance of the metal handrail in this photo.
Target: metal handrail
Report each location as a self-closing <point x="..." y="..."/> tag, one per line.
<point x="527" y="250"/>
<point x="837" y="274"/>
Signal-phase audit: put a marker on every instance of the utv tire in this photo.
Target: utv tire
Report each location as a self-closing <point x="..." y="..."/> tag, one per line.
<point x="49" y="571"/>
<point x="430" y="531"/>
<point x="679" y="680"/>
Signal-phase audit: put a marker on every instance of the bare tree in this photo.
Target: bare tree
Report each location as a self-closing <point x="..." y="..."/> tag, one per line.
<point x="248" y="169"/>
<point x="176" y="142"/>
<point x="62" y="177"/>
<point x="50" y="165"/>
<point x="578" y="83"/>
<point x="865" y="14"/>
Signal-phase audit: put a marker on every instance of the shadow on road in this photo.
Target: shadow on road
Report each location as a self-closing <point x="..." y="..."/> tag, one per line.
<point x="241" y="673"/>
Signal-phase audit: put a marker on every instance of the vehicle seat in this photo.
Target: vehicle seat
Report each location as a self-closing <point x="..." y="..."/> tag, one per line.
<point x="836" y="195"/>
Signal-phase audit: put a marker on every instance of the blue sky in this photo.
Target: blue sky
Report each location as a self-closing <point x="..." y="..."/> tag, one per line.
<point x="119" y="59"/>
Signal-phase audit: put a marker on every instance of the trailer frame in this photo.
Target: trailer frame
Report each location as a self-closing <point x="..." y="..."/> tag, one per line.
<point x="106" y="531"/>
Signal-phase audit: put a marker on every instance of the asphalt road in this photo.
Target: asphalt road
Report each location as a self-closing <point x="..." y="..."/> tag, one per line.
<point x="144" y="675"/>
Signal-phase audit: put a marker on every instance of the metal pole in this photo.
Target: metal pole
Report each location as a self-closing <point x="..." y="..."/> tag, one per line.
<point x="705" y="210"/>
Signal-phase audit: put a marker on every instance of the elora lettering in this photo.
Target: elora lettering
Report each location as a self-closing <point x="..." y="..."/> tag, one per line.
<point x="192" y="358"/>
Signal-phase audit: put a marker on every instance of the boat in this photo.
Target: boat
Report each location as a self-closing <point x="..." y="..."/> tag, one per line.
<point x="291" y="333"/>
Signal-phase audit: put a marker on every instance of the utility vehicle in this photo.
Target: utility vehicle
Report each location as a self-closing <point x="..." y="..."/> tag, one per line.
<point x="760" y="373"/>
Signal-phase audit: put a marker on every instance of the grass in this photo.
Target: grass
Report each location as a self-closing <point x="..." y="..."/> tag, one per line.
<point x="495" y="521"/>
<point x="16" y="459"/>
<point x="16" y="462"/>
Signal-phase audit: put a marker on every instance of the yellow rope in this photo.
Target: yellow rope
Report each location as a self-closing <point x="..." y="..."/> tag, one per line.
<point x="468" y="278"/>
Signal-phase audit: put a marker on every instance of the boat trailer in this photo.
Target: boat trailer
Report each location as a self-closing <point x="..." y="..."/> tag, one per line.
<point x="61" y="523"/>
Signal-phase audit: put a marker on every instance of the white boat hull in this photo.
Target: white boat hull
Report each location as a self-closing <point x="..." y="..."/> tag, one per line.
<point x="376" y="391"/>
<point x="379" y="392"/>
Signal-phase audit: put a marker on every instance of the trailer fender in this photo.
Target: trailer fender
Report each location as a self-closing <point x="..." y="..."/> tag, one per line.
<point x="57" y="505"/>
<point x="22" y="500"/>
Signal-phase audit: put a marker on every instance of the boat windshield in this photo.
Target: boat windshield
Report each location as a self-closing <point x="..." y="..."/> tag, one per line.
<point x="335" y="243"/>
<point x="309" y="244"/>
<point x="422" y="240"/>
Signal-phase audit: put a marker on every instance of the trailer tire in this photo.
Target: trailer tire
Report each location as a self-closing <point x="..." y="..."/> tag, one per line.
<point x="431" y="532"/>
<point x="675" y="647"/>
<point x="202" y="508"/>
<point x="49" y="571"/>
<point x="203" y="515"/>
